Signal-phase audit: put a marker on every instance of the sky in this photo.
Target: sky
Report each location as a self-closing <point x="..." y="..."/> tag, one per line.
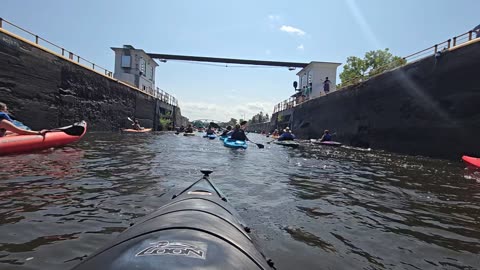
<point x="277" y="30"/>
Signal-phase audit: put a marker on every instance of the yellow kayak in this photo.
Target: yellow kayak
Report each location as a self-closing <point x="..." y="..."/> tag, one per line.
<point x="136" y="131"/>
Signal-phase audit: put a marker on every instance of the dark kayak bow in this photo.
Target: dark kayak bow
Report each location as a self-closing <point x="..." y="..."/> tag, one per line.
<point x="197" y="229"/>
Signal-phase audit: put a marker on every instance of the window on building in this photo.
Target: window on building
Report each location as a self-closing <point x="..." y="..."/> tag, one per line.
<point x="143" y="66"/>
<point x="126" y="61"/>
<point x="152" y="73"/>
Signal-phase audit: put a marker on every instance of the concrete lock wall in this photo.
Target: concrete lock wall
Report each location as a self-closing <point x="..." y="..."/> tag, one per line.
<point x="259" y="127"/>
<point x="430" y="107"/>
<point x="44" y="90"/>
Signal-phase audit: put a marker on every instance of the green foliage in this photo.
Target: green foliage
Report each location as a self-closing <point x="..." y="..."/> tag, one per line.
<point x="259" y="118"/>
<point x="374" y="63"/>
<point x="232" y="122"/>
<point x="198" y="124"/>
<point x="279" y="118"/>
<point x="164" y="123"/>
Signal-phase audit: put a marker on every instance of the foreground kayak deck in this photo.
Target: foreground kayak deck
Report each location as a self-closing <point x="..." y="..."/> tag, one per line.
<point x="196" y="229"/>
<point x="472" y="161"/>
<point x="16" y="144"/>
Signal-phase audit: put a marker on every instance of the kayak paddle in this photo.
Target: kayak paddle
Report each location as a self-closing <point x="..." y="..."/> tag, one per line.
<point x="73" y="130"/>
<point x="258" y="144"/>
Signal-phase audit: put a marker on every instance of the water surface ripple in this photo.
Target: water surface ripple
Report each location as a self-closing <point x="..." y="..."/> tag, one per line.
<point x="310" y="208"/>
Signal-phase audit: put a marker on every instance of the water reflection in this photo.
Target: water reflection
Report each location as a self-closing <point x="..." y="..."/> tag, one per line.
<point x="314" y="207"/>
<point x="56" y="163"/>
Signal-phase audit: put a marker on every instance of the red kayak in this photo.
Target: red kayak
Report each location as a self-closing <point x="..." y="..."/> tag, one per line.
<point x="14" y="144"/>
<point x="472" y="161"/>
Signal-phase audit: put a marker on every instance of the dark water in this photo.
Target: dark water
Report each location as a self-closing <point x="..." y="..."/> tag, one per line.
<point x="311" y="208"/>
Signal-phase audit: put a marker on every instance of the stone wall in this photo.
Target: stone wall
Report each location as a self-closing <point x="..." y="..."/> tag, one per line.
<point x="430" y="107"/>
<point x="259" y="127"/>
<point x="44" y="90"/>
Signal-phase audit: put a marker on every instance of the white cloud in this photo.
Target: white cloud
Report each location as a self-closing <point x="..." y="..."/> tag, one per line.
<point x="223" y="112"/>
<point x="292" y="30"/>
<point x="300" y="47"/>
<point x="273" y="17"/>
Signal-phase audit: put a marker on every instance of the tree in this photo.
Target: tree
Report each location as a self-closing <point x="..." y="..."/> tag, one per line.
<point x="164" y="123"/>
<point x="198" y="124"/>
<point x="267" y="118"/>
<point x="232" y="122"/>
<point x="374" y="62"/>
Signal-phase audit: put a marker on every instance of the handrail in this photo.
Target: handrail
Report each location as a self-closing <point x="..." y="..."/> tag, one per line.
<point x="71" y="55"/>
<point x="82" y="61"/>
<point x="445" y="45"/>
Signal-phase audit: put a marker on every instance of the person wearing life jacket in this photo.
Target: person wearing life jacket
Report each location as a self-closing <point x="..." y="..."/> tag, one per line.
<point x="9" y="124"/>
<point x="326" y="136"/>
<point x="210" y="130"/>
<point x="238" y="134"/>
<point x="286" y="135"/>
<point x="226" y="131"/>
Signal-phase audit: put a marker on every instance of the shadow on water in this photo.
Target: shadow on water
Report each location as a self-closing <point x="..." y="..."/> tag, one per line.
<point x="314" y="207"/>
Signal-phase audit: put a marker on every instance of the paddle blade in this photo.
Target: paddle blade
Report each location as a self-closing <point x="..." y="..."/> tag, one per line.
<point x="76" y="129"/>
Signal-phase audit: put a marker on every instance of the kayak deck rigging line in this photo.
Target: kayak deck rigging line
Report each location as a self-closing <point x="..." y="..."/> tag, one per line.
<point x="195" y="229"/>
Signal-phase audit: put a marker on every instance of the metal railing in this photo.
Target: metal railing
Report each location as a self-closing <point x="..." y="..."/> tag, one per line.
<point x="55" y="48"/>
<point x="165" y="97"/>
<point x="160" y="94"/>
<point x="285" y="105"/>
<point x="428" y="52"/>
<point x="445" y="45"/>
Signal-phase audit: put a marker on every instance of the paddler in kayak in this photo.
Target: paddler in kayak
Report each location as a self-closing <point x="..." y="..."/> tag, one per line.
<point x="326" y="137"/>
<point x="9" y="124"/>
<point x="238" y="134"/>
<point x="136" y="125"/>
<point x="287" y="135"/>
<point x="210" y="130"/>
<point x="189" y="129"/>
<point x="226" y="131"/>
